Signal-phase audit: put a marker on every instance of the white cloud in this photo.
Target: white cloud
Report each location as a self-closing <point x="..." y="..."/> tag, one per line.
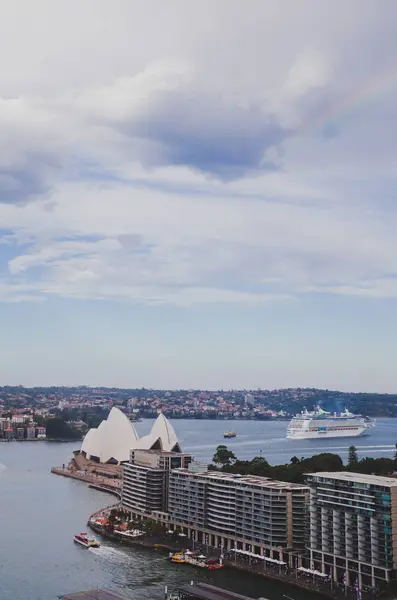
<point x="188" y="158"/>
<point x="117" y="241"/>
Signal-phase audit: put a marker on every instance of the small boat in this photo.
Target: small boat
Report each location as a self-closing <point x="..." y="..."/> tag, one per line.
<point x="196" y="561"/>
<point x="229" y="434"/>
<point x="214" y="565"/>
<point x="178" y="558"/>
<point x="84" y="540"/>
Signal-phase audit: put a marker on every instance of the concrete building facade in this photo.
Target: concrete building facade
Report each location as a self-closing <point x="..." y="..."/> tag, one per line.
<point x="145" y="479"/>
<point x="244" y="512"/>
<point x="220" y="510"/>
<point x="353" y="527"/>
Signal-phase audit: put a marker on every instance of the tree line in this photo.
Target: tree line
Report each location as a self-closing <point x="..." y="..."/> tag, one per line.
<point x="296" y="470"/>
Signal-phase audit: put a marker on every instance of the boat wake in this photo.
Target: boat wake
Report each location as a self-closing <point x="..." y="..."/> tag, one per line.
<point x="106" y="552"/>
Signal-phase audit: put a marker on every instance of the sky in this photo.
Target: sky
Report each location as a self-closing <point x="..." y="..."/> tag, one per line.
<point x="198" y="194"/>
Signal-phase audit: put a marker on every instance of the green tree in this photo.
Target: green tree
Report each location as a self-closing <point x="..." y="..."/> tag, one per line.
<point x="375" y="466"/>
<point x="353" y="457"/>
<point x="326" y="461"/>
<point x="260" y="466"/>
<point x="58" y="429"/>
<point x="395" y="457"/>
<point x="224" y="457"/>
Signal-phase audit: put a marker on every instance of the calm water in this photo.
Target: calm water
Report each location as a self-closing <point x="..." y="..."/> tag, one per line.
<point x="39" y="512"/>
<point x="254" y="437"/>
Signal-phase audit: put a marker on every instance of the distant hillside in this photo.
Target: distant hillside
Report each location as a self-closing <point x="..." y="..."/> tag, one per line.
<point x="289" y="400"/>
<point x="294" y="400"/>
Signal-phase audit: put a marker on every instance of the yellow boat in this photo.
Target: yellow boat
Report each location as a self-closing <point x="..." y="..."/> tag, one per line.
<point x="178" y="557"/>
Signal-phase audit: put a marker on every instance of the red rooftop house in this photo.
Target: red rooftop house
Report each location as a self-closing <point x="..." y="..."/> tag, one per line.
<point x="9" y="434"/>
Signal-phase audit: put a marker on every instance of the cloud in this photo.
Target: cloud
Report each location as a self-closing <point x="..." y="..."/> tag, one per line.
<point x="159" y="117"/>
<point x="118" y="242"/>
<point x="212" y="154"/>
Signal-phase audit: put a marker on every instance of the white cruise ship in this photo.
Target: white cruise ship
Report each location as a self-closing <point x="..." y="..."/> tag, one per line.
<point x="321" y="424"/>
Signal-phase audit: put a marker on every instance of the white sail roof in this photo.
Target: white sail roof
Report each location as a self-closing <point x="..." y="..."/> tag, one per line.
<point x="163" y="429"/>
<point x="91" y="443"/>
<point x="116" y="436"/>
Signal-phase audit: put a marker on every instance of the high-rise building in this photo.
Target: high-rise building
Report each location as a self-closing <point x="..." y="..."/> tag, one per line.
<point x="353" y="527"/>
<point x="249" y="400"/>
<point x="145" y="479"/>
<point x="245" y="512"/>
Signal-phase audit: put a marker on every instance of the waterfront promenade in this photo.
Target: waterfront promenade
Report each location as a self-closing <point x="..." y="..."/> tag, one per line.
<point x="98" y="482"/>
<point x="168" y="542"/>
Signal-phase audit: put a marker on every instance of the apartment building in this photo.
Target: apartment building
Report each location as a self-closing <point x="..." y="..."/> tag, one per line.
<point x="145" y="479"/>
<point x="243" y="512"/>
<point x="353" y="527"/>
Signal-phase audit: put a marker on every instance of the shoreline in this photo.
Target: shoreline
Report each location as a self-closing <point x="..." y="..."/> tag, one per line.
<point x="157" y="544"/>
<point x="94" y="482"/>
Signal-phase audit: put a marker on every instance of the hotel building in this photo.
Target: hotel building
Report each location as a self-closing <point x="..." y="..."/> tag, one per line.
<point x="145" y="480"/>
<point x="243" y="512"/>
<point x="217" y="509"/>
<point x="353" y="527"/>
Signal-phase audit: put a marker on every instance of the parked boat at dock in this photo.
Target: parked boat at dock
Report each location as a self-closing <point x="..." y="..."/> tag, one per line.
<point x="178" y="558"/>
<point x="196" y="560"/>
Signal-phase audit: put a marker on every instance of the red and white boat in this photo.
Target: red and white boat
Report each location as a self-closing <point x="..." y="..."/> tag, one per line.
<point x="86" y="541"/>
<point x="213" y="565"/>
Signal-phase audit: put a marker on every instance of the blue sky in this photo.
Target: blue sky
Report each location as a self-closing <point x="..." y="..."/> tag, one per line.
<point x="198" y="194"/>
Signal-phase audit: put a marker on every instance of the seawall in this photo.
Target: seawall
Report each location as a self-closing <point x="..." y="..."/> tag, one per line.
<point x="155" y="543"/>
<point x="94" y="481"/>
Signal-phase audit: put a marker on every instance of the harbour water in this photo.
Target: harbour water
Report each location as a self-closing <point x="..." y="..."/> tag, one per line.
<point x="268" y="438"/>
<point x="40" y="512"/>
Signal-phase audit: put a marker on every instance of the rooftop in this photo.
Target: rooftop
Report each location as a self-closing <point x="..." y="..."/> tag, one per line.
<point x="246" y="479"/>
<point x="204" y="591"/>
<point x="358" y="478"/>
<point x="160" y="452"/>
<point x="94" y="595"/>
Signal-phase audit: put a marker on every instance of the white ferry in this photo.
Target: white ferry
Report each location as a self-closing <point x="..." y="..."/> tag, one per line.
<point x="321" y="424"/>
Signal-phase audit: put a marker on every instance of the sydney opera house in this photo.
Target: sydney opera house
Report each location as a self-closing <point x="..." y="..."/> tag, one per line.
<point x="112" y="441"/>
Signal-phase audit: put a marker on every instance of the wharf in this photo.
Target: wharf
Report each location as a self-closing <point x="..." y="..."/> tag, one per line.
<point x="194" y="591"/>
<point x="160" y="543"/>
<point x="204" y="591"/>
<point x="93" y="595"/>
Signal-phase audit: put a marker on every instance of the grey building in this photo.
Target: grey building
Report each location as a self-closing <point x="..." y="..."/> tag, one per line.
<point x="145" y="480"/>
<point x="30" y="433"/>
<point x="244" y="512"/>
<point x="353" y="527"/>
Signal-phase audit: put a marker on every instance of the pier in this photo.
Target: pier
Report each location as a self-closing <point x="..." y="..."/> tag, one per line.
<point x="204" y="591"/>
<point x="93" y="595"/>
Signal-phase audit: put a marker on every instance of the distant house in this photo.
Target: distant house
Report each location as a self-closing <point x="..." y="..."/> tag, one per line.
<point x="9" y="433"/>
<point x="30" y="433"/>
<point x="41" y="433"/>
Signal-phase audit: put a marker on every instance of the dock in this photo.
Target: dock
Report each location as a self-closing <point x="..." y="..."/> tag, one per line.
<point x="194" y="591"/>
<point x="204" y="591"/>
<point x="94" y="595"/>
